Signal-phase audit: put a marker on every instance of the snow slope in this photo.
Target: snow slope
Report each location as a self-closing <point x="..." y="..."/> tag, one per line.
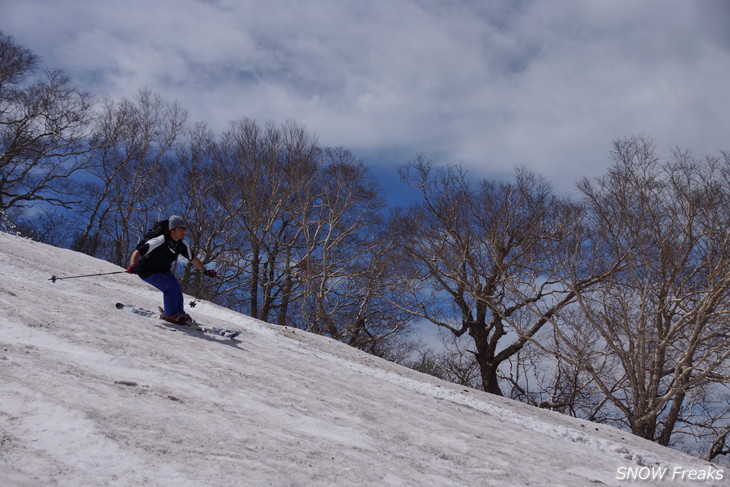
<point x="95" y="396"/>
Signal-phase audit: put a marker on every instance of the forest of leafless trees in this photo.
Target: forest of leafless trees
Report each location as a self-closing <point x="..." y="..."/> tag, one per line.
<point x="611" y="305"/>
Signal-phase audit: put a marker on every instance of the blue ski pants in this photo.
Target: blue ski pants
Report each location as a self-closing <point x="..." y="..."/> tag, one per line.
<point x="171" y="291"/>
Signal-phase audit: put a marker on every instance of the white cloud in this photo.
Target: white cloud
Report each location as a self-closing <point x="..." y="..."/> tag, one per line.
<point x="547" y="84"/>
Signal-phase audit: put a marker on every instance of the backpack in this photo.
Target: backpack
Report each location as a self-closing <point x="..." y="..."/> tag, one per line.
<point x="158" y="228"/>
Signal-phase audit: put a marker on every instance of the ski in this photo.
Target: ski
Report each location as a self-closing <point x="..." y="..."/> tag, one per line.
<point x="135" y="310"/>
<point x="221" y="332"/>
<point x="230" y="334"/>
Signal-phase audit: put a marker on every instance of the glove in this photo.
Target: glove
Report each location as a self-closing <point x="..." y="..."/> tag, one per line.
<point x="210" y="273"/>
<point x="132" y="269"/>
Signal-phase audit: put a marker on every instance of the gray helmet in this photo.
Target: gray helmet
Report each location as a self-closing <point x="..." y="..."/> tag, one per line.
<point x="175" y="221"/>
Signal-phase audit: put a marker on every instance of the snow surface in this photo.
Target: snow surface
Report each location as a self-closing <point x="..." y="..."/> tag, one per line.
<point x="95" y="396"/>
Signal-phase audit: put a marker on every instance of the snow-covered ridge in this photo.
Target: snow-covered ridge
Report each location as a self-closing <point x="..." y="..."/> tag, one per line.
<point x="92" y="395"/>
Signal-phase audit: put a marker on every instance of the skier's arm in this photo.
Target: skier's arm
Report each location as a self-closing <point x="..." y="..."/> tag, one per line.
<point x="135" y="257"/>
<point x="198" y="265"/>
<point x="196" y="262"/>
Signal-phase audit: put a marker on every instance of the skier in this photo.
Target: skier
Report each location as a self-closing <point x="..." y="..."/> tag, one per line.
<point x="152" y="261"/>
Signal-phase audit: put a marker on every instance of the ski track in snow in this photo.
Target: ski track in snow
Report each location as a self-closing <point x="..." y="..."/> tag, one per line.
<point x="92" y="395"/>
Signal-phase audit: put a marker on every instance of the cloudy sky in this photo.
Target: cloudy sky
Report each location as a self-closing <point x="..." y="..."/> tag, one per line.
<point x="491" y="84"/>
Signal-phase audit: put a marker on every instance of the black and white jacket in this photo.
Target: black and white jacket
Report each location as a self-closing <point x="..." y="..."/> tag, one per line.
<point x="159" y="253"/>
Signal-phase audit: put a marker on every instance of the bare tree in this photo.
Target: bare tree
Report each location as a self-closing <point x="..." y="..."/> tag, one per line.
<point x="210" y="231"/>
<point x="457" y="363"/>
<point x="544" y="379"/>
<point x="16" y="62"/>
<point x="44" y="126"/>
<point x="132" y="163"/>
<point x="657" y="330"/>
<point x="345" y="272"/>
<point x="720" y="445"/>
<point x="310" y="242"/>
<point x="260" y="172"/>
<point x="705" y="423"/>
<point x="487" y="261"/>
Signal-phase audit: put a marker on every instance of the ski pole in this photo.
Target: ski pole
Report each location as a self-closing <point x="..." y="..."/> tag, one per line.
<point x="54" y="278"/>
<point x="195" y="301"/>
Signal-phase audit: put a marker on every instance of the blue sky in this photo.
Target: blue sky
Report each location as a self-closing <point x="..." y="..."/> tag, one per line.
<point x="547" y="84"/>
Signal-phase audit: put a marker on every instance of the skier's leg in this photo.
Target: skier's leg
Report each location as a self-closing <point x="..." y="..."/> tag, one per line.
<point x="171" y="292"/>
<point x="173" y="297"/>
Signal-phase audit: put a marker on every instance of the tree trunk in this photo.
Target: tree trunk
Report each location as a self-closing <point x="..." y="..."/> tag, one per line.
<point x="644" y="426"/>
<point x="254" y="292"/>
<point x="489" y="377"/>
